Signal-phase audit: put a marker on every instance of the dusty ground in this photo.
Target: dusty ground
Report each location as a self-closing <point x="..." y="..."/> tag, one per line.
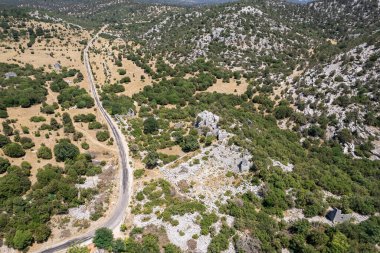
<point x="67" y="51"/>
<point x="99" y="150"/>
<point x="205" y="176"/>
<point x="231" y="87"/>
<point x="175" y="150"/>
<point x="102" y="59"/>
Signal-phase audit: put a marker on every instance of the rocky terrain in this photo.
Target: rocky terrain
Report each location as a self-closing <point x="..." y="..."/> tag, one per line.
<point x="346" y="90"/>
<point x="249" y="123"/>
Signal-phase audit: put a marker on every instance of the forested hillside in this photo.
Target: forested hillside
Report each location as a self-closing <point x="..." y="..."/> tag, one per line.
<point x="250" y="124"/>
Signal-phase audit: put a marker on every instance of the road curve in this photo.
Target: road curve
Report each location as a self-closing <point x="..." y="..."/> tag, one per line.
<point x="126" y="178"/>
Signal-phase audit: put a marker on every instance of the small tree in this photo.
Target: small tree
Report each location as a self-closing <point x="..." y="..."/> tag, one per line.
<point x="151" y="160"/>
<point x="7" y="129"/>
<point x="54" y="124"/>
<point x="44" y="153"/>
<point x="65" y="150"/>
<point x="150" y="125"/>
<point x="119" y="246"/>
<point x="41" y="233"/>
<point x="190" y="143"/>
<point x="344" y="136"/>
<point x="122" y="72"/>
<point x="13" y="150"/>
<point x="103" y="238"/>
<point x="102" y="135"/>
<point x="4" y="140"/>
<point x="4" y="165"/>
<point x="26" y="165"/>
<point x="283" y="112"/>
<point x="22" y="239"/>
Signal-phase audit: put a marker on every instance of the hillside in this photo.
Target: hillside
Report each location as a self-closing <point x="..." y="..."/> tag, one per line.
<point x="252" y="126"/>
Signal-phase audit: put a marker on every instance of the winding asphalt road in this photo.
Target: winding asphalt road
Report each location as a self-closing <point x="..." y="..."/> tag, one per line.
<point x="117" y="215"/>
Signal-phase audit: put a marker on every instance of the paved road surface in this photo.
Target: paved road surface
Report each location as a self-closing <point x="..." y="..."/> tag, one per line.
<point x="117" y="214"/>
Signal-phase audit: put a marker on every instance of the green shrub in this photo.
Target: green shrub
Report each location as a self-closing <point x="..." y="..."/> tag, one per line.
<point x="102" y="135"/>
<point x="25" y="129"/>
<point x="47" y="109"/>
<point x="85" y="118"/>
<point x="85" y="145"/>
<point x="150" y="125"/>
<point x="151" y="159"/>
<point x="4" y="140"/>
<point x="115" y="104"/>
<point x="22" y="239"/>
<point x="283" y="112"/>
<point x="26" y="142"/>
<point x="44" y="153"/>
<point x="26" y="165"/>
<point x="37" y="119"/>
<point x="7" y="129"/>
<point x="3" y="114"/>
<point x="138" y="173"/>
<point x="220" y="242"/>
<point x="122" y="72"/>
<point x="78" y="249"/>
<point x="65" y="150"/>
<point x="190" y="143"/>
<point x="4" y="165"/>
<point x="125" y="80"/>
<point x="58" y="85"/>
<point x="94" y="125"/>
<point x="103" y="238"/>
<point x="114" y="88"/>
<point x="13" y="150"/>
<point x="344" y="136"/>
<point x="68" y="126"/>
<point x="171" y="248"/>
<point x="206" y="222"/>
<point x="315" y="131"/>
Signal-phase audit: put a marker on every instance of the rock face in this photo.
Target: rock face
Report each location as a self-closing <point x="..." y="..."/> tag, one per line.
<point x="332" y="90"/>
<point x="131" y="113"/>
<point x="223" y="135"/>
<point x="285" y="168"/>
<point x="207" y="123"/>
<point x="245" y="243"/>
<point x="245" y="165"/>
<point x="206" y="173"/>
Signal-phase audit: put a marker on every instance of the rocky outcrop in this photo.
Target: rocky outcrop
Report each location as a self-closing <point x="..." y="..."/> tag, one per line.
<point x="245" y="243"/>
<point x="285" y="168"/>
<point x="207" y="124"/>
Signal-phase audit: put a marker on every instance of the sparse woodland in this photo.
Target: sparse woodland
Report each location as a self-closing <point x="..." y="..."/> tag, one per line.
<point x="311" y="100"/>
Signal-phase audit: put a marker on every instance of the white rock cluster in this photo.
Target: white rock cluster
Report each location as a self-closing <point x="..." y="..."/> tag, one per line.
<point x="207" y="124"/>
<point x="207" y="173"/>
<point x="285" y="168"/>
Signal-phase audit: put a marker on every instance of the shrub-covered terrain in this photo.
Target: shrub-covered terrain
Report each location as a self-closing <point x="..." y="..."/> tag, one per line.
<point x="302" y="116"/>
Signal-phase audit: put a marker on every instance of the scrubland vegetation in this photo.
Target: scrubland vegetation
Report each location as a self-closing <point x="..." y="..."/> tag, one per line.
<point x="311" y="101"/>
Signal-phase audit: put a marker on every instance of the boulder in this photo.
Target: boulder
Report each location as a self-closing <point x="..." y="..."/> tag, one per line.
<point x="207" y="121"/>
<point x="247" y="244"/>
<point x="222" y="135"/>
<point x="244" y="165"/>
